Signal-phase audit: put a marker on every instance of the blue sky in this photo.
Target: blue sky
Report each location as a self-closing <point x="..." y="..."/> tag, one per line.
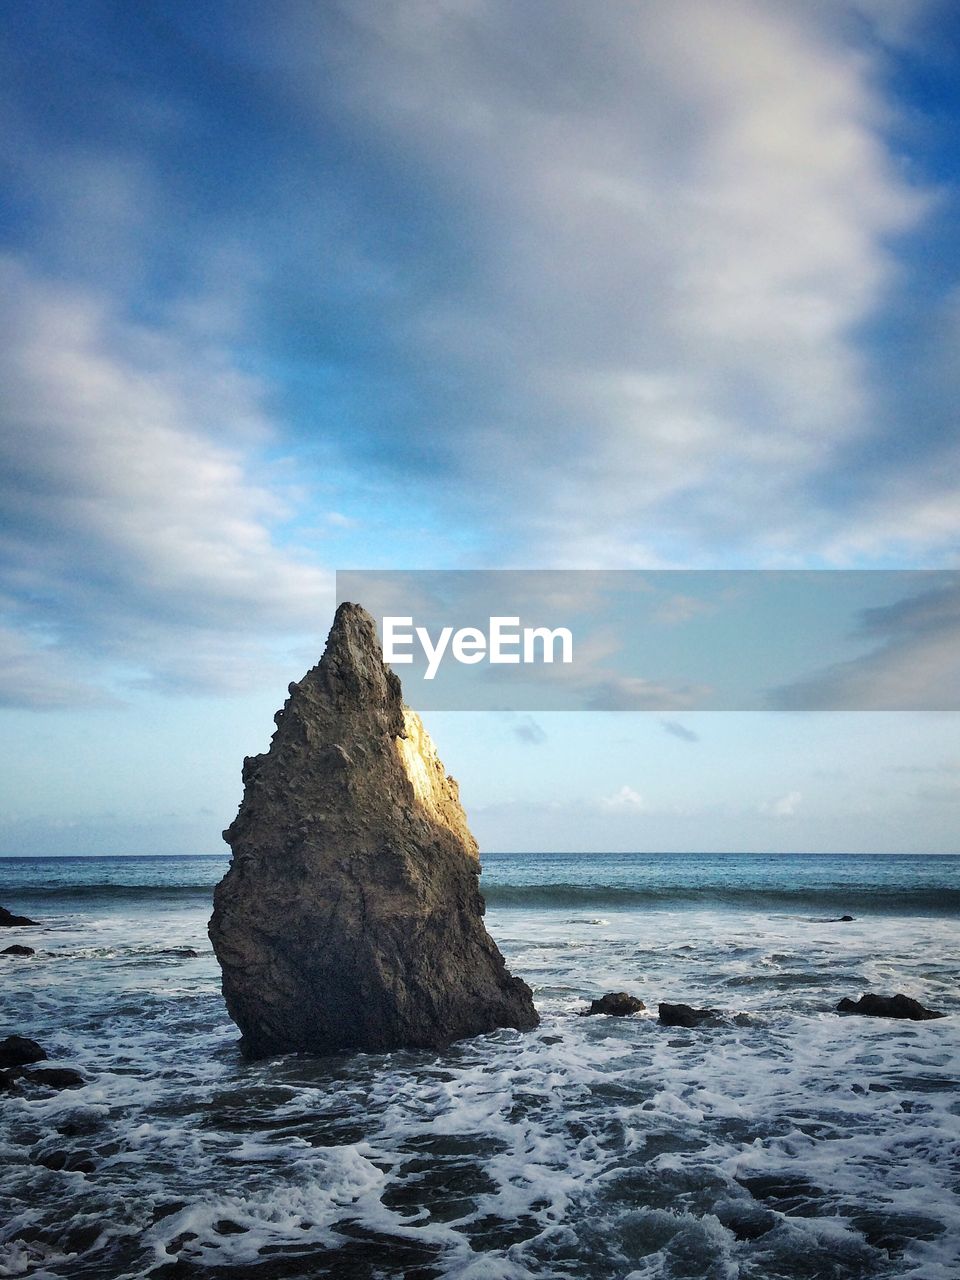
<point x="300" y="287"/>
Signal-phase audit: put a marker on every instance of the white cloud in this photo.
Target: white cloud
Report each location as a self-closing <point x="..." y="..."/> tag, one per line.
<point x="626" y="800"/>
<point x="678" y="609"/>
<point x="784" y="806"/>
<point x="136" y="530"/>
<point x="682" y="215"/>
<point x="634" y="693"/>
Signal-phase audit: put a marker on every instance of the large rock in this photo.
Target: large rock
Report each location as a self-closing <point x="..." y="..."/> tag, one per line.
<point x="351" y="917"/>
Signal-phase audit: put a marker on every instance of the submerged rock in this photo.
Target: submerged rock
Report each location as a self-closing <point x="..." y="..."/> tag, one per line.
<point x="8" y="920"/>
<point x="898" y="1006"/>
<point x="684" y="1015"/>
<point x="70" y="1161"/>
<point x="18" y="1051"/>
<point x="616" y="1003"/>
<point x="351" y="916"/>
<point x="56" y="1077"/>
<point x="745" y="1218"/>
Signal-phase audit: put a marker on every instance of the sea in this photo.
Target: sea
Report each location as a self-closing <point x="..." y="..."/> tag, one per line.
<point x="778" y="1141"/>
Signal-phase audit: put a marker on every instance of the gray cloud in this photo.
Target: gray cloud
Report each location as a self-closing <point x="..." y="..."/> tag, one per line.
<point x="914" y="663"/>
<point x="42" y="676"/>
<point x="529" y="730"/>
<point x="679" y="730"/>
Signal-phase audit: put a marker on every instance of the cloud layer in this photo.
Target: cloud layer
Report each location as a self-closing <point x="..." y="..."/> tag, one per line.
<point x="548" y="284"/>
<point x="677" y="220"/>
<point x="137" y="535"/>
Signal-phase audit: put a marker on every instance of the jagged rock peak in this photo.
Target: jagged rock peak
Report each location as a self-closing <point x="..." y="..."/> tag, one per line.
<point x="351" y="917"/>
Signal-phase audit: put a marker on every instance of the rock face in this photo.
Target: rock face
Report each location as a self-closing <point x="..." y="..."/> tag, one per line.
<point x="898" y="1006"/>
<point x="351" y="917"/>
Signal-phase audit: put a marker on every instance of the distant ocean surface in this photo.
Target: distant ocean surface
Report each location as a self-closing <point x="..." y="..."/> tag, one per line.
<point x="782" y="1142"/>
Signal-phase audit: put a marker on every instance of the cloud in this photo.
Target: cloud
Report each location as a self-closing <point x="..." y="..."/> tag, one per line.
<point x="914" y="663"/>
<point x="949" y="793"/>
<point x="136" y="533"/>
<point x="634" y="693"/>
<point x="681" y="608"/>
<point x="529" y="730"/>
<point x="679" y="730"/>
<point x="944" y="767"/>
<point x="785" y="806"/>
<point x="626" y="800"/>
<point x="42" y="676"/>
<point x="674" y="223"/>
<point x="525" y="284"/>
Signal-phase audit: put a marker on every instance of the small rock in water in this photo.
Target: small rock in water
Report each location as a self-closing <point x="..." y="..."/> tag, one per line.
<point x="227" y="1227"/>
<point x="68" y="1161"/>
<point x="81" y="1123"/>
<point x="17" y="950"/>
<point x="8" y="920"/>
<point x="746" y="1219"/>
<point x="684" y="1015"/>
<point x="898" y="1006"/>
<point x="845" y="920"/>
<point x="56" y="1077"/>
<point x="616" y="1003"/>
<point x="18" y="1051"/>
<point x="166" y="1209"/>
<point x="8" y="1082"/>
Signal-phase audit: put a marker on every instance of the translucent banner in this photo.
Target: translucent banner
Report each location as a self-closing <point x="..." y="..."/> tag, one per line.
<point x="668" y="640"/>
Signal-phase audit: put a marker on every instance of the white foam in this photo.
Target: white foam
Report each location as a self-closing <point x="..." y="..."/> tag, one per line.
<point x="593" y="1146"/>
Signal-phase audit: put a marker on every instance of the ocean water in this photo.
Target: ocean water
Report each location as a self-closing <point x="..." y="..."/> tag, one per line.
<point x="781" y="1141"/>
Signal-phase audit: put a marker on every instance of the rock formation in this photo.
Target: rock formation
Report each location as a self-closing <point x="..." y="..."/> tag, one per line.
<point x="898" y="1006"/>
<point x="617" y="1004"/>
<point x="8" y="920"/>
<point x="683" y="1015"/>
<point x="18" y="1051"/>
<point x="351" y="916"/>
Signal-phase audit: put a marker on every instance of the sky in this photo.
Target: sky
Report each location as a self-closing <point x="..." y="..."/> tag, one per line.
<point x="295" y="288"/>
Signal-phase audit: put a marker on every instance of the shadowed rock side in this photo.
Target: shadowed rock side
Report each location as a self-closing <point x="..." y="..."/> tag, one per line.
<point x="351" y="917"/>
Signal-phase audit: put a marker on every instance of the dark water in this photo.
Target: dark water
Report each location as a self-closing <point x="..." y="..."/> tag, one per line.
<point x="781" y="1141"/>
